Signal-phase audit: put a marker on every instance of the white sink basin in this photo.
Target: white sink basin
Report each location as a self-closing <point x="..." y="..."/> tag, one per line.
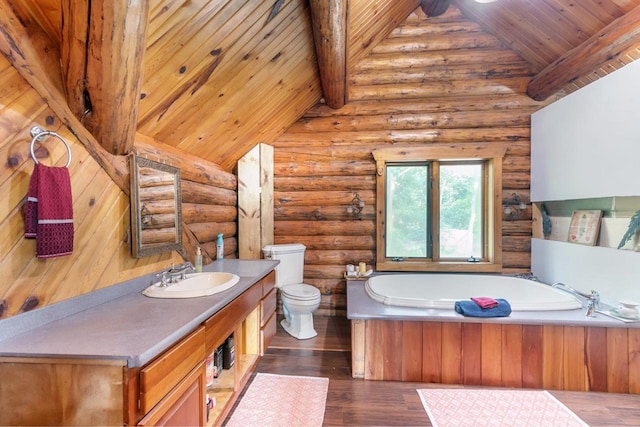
<point x="195" y="285"/>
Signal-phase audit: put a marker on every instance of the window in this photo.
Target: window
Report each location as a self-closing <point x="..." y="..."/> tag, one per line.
<point x="439" y="208"/>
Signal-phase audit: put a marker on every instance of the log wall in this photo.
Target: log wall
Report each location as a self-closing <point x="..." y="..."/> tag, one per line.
<point x="435" y="80"/>
<point x="102" y="254"/>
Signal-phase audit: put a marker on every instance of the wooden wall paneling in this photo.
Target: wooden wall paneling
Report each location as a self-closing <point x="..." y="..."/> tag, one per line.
<point x="451" y="353"/>
<point x="432" y="352"/>
<point x="266" y="195"/>
<point x="374" y="350"/>
<point x="617" y="360"/>
<point x="574" y="363"/>
<point x="472" y="353"/>
<point x="552" y="357"/>
<point x="492" y="353"/>
<point x="634" y="360"/>
<point x="512" y="357"/>
<point x="411" y="351"/>
<point x="358" y="348"/>
<point x="596" y="358"/>
<point x="532" y="356"/>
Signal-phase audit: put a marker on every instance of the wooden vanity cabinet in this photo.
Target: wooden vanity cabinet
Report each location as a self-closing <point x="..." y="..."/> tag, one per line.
<point x="170" y="390"/>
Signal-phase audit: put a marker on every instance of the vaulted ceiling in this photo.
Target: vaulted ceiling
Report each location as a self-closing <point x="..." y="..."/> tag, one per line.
<point x="217" y="77"/>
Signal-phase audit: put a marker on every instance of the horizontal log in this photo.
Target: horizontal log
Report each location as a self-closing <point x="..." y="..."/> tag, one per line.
<point x="421" y="120"/>
<point x="516" y="243"/>
<point x="517" y="180"/>
<point x="369" y="138"/>
<point x="194" y="192"/>
<point x="459" y="88"/>
<point x="330" y="154"/>
<point x="315" y="169"/>
<point x="161" y="235"/>
<point x="417" y="29"/>
<point x="331" y="242"/>
<point x="321" y="213"/>
<point x="328" y="286"/>
<point x="331" y="257"/>
<point x="429" y="59"/>
<point x="325" y="228"/>
<point x="230" y="248"/>
<point x="516" y="259"/>
<point x="323" y="183"/>
<point x="520" y="163"/>
<point x="197" y="212"/>
<point x="442" y="41"/>
<point x="320" y="271"/>
<point x="208" y="231"/>
<point x="320" y="198"/>
<point x="159" y="207"/>
<point x="516" y="227"/>
<point x="192" y="168"/>
<point x="431" y="104"/>
<point x="439" y="74"/>
<point x="148" y="222"/>
<point x="148" y="177"/>
<point x="154" y="194"/>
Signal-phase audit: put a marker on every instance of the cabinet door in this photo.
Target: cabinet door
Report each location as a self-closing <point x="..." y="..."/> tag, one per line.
<point x="184" y="405"/>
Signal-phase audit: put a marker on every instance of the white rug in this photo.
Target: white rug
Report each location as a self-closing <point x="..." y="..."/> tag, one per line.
<point x="493" y="408"/>
<point x="282" y="400"/>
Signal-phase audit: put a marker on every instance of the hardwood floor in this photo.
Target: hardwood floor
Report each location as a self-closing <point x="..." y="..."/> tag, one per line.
<point x="366" y="403"/>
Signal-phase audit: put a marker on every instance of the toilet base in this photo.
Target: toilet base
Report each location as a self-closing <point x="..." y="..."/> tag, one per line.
<point x="299" y="326"/>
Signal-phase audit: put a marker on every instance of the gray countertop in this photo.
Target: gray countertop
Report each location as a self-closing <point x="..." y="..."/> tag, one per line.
<point x="361" y="306"/>
<point x="119" y="322"/>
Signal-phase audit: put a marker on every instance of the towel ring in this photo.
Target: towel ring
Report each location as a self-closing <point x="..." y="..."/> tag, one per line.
<point x="38" y="134"/>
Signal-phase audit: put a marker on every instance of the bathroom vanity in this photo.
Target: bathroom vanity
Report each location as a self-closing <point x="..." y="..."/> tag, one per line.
<point x="121" y="358"/>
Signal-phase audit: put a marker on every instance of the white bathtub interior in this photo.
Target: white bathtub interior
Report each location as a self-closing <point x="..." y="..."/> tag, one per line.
<point x="441" y="291"/>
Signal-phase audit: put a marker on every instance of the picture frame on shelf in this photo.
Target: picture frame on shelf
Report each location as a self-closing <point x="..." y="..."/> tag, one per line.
<point x="585" y="227"/>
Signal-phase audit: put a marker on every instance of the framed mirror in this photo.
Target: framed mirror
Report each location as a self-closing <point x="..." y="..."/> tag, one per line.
<point x="156" y="207"/>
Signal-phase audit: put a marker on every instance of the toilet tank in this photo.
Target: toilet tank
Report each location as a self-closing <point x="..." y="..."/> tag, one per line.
<point x="291" y="268"/>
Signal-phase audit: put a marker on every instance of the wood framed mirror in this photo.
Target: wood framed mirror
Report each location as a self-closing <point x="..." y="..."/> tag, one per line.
<point x="156" y="207"/>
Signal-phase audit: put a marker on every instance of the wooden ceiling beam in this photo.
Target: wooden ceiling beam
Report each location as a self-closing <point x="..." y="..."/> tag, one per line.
<point x="329" y="22"/>
<point x="616" y="39"/>
<point x="102" y="47"/>
<point x="28" y="49"/>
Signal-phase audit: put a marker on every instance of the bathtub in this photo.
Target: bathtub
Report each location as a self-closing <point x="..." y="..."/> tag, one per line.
<point x="440" y="291"/>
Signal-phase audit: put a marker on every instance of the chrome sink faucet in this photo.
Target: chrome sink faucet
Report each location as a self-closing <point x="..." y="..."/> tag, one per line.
<point x="593" y="299"/>
<point x="174" y="274"/>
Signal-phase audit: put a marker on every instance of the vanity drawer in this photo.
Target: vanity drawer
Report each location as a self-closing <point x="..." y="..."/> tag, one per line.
<point x="268" y="283"/>
<point x="160" y="376"/>
<point x="268" y="306"/>
<point x="267" y="332"/>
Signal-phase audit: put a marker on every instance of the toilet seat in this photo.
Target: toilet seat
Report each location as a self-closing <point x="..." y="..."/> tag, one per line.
<point x="301" y="292"/>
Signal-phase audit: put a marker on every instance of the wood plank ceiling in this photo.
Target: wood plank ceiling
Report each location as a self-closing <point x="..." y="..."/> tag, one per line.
<point x="222" y="76"/>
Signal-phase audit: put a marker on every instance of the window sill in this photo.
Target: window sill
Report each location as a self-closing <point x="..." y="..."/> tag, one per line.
<point x="445" y="267"/>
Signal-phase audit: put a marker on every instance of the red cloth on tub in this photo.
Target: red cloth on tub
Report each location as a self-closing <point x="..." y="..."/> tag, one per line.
<point x="485" y="302"/>
<point x="49" y="211"/>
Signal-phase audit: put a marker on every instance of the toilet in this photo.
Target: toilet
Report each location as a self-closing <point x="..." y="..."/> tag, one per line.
<point x="299" y="300"/>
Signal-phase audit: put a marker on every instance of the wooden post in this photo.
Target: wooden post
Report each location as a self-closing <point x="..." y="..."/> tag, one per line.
<point x="255" y="201"/>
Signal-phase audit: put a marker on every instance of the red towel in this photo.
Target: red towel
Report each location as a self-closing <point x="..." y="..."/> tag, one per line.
<point x="49" y="201"/>
<point x="485" y="302"/>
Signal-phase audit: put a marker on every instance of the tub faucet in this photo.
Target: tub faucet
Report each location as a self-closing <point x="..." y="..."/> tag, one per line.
<point x="593" y="299"/>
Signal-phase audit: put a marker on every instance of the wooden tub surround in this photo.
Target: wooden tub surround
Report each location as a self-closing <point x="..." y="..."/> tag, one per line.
<point x="556" y="350"/>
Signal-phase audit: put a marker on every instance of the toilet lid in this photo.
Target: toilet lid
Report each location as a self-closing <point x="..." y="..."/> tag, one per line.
<point x="301" y="292"/>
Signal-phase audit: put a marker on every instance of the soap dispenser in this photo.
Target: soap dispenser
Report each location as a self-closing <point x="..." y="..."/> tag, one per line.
<point x="198" y="262"/>
<point x="220" y="247"/>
